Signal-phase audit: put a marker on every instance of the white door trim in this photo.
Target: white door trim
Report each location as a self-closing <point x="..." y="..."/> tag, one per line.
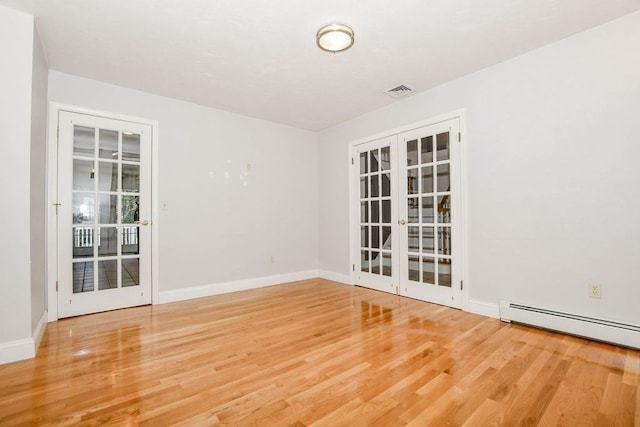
<point x="353" y="213"/>
<point x="52" y="198"/>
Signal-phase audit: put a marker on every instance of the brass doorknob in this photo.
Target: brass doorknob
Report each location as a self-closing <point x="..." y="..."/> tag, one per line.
<point x="144" y="222"/>
<point x="402" y="222"/>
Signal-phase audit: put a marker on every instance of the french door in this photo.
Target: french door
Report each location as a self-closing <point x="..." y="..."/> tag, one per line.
<point x="409" y="214"/>
<point x="104" y="214"/>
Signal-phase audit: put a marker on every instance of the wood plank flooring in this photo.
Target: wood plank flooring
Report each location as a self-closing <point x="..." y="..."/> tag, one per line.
<point x="315" y="352"/>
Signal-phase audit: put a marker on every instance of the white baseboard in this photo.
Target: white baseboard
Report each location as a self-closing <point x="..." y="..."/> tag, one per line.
<point x="174" y="295"/>
<point x="12" y="351"/>
<point x="484" y="308"/>
<point x="336" y="277"/>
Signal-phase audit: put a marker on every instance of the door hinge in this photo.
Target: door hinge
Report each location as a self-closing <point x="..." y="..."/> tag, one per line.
<point x="352" y="161"/>
<point x="461" y="285"/>
<point x="459" y="136"/>
<point x="58" y="133"/>
<point x="56" y="205"/>
<point x="353" y="267"/>
<point x="56" y="286"/>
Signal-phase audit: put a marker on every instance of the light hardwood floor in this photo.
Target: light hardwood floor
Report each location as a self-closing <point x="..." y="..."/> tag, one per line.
<point x="316" y="352"/>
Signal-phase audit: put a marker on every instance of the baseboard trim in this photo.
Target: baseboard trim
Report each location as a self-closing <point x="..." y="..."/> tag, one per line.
<point x="174" y="295"/>
<point x="12" y="351"/>
<point x="336" y="277"/>
<point x="484" y="308"/>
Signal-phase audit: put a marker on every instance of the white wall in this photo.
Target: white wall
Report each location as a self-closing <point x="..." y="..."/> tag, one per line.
<point x="552" y="177"/>
<point x="16" y="45"/>
<point x="38" y="190"/>
<point x="224" y="221"/>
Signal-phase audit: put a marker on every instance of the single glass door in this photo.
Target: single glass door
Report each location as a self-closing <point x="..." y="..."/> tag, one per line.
<point x="429" y="197"/>
<point x="104" y="214"/>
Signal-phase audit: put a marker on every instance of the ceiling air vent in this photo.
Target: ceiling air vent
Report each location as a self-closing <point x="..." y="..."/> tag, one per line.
<point x="399" y="91"/>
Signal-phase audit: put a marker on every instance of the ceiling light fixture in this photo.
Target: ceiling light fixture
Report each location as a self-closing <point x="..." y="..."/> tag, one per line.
<point x="335" y="37"/>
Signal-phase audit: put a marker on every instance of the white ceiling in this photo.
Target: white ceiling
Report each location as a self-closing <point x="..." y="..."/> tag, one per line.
<point x="259" y="58"/>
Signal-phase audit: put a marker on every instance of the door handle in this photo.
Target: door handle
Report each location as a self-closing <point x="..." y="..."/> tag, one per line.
<point x="402" y="222"/>
<point x="144" y="222"/>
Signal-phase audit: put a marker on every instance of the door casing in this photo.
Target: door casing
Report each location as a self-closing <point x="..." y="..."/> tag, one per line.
<point x="52" y="199"/>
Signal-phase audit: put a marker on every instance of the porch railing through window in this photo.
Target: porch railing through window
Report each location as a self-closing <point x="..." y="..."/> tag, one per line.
<point x="83" y="237"/>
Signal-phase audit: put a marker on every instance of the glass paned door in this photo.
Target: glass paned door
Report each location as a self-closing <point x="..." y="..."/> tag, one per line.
<point x="104" y="237"/>
<point x="375" y="172"/>
<point x="429" y="193"/>
<point x="406" y="228"/>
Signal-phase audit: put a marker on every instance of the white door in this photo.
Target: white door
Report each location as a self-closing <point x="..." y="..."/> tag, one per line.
<point x="104" y="214"/>
<point x="409" y="214"/>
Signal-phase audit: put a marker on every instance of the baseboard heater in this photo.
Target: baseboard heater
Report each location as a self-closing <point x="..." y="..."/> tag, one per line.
<point x="620" y="333"/>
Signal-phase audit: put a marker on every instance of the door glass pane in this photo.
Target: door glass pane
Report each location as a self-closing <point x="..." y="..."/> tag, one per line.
<point x="427" y="209"/>
<point x="412" y="152"/>
<point x="444" y="211"/>
<point x="386" y="264"/>
<point x="375" y="237"/>
<point x="427" y="179"/>
<point x="83" y="174"/>
<point x="130" y="210"/>
<point x="386" y="185"/>
<point x="82" y="242"/>
<point x="108" y="179"/>
<point x="375" y="262"/>
<point x="130" y="147"/>
<point x="444" y="179"/>
<point x="444" y="240"/>
<point x="375" y="211"/>
<point x="363" y="163"/>
<point x="444" y="272"/>
<point x="108" y="140"/>
<point x="107" y="241"/>
<point x="413" y="244"/>
<point x="364" y="261"/>
<point x="83" y="208"/>
<point x="83" y="141"/>
<point x="385" y="158"/>
<point x="426" y="149"/>
<point x="107" y="274"/>
<point x="374" y="160"/>
<point x="131" y="178"/>
<point x="364" y="187"/>
<point x="82" y="277"/>
<point x="130" y="240"/>
<point x="375" y="188"/>
<point x="130" y="272"/>
<point x="412" y="209"/>
<point x="386" y="211"/>
<point x="364" y="237"/>
<point x="108" y="208"/>
<point x="414" y="268"/>
<point x="428" y="270"/>
<point x="386" y="237"/>
<point x="412" y="181"/>
<point x="442" y="144"/>
<point x="364" y="212"/>
<point x="428" y="245"/>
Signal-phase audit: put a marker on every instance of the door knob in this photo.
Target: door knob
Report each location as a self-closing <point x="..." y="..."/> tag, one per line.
<point x="144" y="222"/>
<point x="402" y="222"/>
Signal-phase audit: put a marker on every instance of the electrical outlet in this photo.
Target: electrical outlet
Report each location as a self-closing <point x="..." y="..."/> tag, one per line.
<point x="164" y="205"/>
<point x="595" y="290"/>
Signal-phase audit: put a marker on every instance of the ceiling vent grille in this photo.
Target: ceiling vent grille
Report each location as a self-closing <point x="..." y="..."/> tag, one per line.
<point x="399" y="91"/>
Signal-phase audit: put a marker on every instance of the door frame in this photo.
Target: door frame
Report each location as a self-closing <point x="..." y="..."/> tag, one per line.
<point x="354" y="228"/>
<point x="52" y="198"/>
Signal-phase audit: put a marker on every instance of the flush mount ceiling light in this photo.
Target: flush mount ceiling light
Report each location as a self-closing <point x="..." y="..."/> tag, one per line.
<point x="335" y="37"/>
